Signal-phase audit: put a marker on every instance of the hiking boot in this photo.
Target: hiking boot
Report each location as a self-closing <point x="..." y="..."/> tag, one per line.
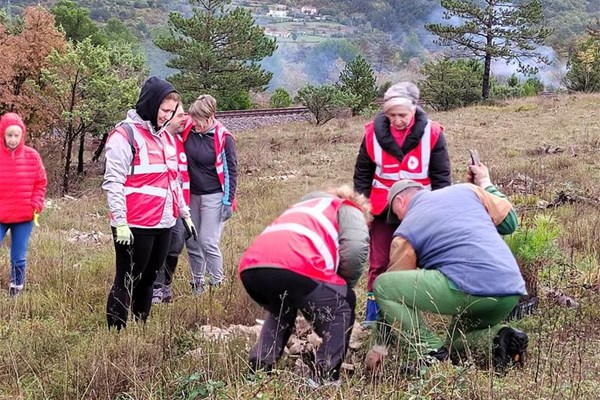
<point x="13" y="292"/>
<point x="157" y="295"/>
<point x="510" y="346"/>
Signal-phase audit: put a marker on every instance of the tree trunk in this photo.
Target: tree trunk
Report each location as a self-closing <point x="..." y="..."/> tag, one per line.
<point x="69" y="148"/>
<point x="80" y="155"/>
<point x="100" y="148"/>
<point x="487" y="63"/>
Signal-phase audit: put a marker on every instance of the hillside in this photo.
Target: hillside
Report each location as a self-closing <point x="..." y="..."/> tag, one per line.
<point x="330" y="33"/>
<point x="54" y="339"/>
<point x="397" y="18"/>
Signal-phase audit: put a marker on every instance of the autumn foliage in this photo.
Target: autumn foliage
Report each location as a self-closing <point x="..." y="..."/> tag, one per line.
<point x="25" y="47"/>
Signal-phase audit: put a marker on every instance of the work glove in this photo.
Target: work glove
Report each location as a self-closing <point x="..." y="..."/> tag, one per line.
<point x="124" y="235"/>
<point x="226" y="212"/>
<point x="190" y="229"/>
<point x="36" y="215"/>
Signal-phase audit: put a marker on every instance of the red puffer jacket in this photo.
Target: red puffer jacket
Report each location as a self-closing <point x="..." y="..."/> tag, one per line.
<point x="22" y="177"/>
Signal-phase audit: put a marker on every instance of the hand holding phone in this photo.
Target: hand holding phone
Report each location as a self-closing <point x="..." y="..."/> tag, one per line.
<point x="474" y="157"/>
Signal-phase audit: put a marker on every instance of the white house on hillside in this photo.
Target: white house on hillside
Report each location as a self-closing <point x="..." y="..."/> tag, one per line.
<point x="274" y="33"/>
<point x="309" y="10"/>
<point x="277" y="13"/>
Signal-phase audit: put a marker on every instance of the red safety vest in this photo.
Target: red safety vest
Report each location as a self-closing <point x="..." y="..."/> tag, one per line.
<point x="182" y="167"/>
<point x="304" y="239"/>
<point x="154" y="175"/>
<point x="389" y="170"/>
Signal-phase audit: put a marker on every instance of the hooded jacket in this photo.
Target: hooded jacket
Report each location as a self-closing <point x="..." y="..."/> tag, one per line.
<point x="439" y="164"/>
<point x="118" y="182"/>
<point x="151" y="96"/>
<point x="22" y="177"/>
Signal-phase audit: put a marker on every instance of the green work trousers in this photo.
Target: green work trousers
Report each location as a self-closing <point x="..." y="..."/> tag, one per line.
<point x="402" y="295"/>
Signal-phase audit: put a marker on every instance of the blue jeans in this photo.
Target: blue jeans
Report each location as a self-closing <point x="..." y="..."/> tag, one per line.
<point x="19" y="233"/>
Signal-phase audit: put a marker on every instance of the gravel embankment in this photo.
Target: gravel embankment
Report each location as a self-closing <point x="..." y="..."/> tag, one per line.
<point x="237" y="124"/>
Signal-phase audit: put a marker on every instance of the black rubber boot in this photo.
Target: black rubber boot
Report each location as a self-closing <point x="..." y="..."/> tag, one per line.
<point x="510" y="346"/>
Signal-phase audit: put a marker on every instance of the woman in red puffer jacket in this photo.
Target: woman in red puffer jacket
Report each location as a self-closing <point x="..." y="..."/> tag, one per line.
<point x="22" y="191"/>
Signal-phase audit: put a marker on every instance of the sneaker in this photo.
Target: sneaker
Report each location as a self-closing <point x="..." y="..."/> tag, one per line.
<point x="157" y="295"/>
<point x="420" y="366"/>
<point x="197" y="288"/>
<point x="13" y="292"/>
<point x="216" y="286"/>
<point x="367" y="324"/>
<point x="167" y="294"/>
<point x="323" y="383"/>
<point x="440" y="354"/>
<point x="510" y="346"/>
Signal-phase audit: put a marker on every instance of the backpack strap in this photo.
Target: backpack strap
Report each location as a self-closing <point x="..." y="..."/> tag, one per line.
<point x="129" y="131"/>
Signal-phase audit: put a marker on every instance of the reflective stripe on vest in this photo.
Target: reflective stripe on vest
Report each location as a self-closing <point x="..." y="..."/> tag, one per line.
<point x="315" y="239"/>
<point x="315" y="211"/>
<point x="152" y="182"/>
<point x="182" y="168"/>
<point x="304" y="239"/>
<point x="402" y="174"/>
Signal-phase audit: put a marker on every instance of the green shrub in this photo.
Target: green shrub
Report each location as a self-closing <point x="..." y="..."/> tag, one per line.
<point x="534" y="246"/>
<point x="583" y="73"/>
<point x="280" y="99"/>
<point x="234" y="101"/>
<point x="451" y="84"/>
<point x="358" y="79"/>
<point x="325" y="101"/>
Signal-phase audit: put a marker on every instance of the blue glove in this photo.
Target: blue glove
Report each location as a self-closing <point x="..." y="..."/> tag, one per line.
<point x="226" y="212"/>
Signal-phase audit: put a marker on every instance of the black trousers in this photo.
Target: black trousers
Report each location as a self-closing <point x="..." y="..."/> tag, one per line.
<point x="136" y="269"/>
<point x="329" y="308"/>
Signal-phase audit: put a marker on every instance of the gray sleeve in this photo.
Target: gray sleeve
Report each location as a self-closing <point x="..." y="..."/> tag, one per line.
<point x="184" y="210"/>
<point x="354" y="244"/>
<point x="118" y="164"/>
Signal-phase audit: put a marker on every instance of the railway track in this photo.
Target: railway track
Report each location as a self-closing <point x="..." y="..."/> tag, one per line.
<point x="262" y="112"/>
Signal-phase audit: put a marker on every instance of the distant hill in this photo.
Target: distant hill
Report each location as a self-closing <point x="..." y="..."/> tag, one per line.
<point x="389" y="32"/>
<point x="395" y="17"/>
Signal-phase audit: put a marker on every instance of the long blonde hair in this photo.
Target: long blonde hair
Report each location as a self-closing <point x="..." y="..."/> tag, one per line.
<point x="347" y="193"/>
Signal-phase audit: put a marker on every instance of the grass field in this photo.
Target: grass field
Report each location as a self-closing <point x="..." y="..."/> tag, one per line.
<point x="53" y="339"/>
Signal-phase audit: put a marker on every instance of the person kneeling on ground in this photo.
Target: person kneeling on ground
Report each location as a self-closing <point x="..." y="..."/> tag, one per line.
<point x="309" y="259"/>
<point x="448" y="258"/>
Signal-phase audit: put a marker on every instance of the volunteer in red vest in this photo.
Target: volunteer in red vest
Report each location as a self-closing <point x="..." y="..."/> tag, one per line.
<point x="144" y="199"/>
<point x="22" y="191"/>
<point x="212" y="166"/>
<point x="400" y="143"/>
<point x="163" y="292"/>
<point x="309" y="260"/>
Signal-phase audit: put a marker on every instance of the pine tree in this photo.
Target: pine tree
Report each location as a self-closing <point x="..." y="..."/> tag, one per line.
<point x="217" y="50"/>
<point x="358" y="79"/>
<point x="500" y="29"/>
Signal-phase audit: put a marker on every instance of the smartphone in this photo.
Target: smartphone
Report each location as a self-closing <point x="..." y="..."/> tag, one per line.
<point x="474" y="157"/>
